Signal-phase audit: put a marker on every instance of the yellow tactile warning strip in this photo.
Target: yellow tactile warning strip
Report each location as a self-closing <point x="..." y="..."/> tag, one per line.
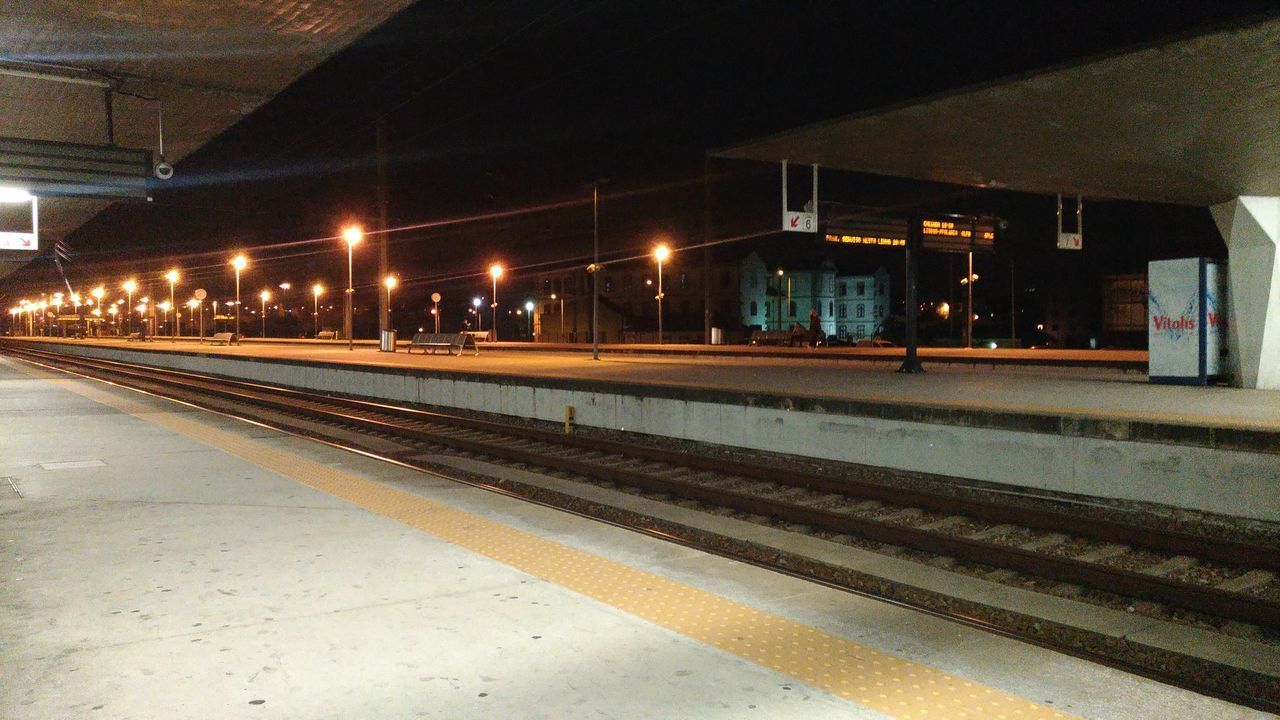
<point x="888" y="684"/>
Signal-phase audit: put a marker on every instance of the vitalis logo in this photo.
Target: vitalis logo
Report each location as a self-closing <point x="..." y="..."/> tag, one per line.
<point x="1178" y="326"/>
<point x="1164" y="322"/>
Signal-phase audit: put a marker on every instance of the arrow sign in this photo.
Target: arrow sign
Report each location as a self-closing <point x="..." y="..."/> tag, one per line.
<point x="800" y="222"/>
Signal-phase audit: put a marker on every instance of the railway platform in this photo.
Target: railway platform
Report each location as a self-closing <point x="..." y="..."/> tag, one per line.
<point x="1096" y="432"/>
<point x="164" y="561"/>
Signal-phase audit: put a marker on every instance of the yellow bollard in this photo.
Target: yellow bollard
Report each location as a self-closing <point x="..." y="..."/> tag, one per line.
<point x="568" y="419"/>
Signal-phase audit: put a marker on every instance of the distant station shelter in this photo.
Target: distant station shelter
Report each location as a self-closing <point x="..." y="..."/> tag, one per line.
<point x="1193" y="121"/>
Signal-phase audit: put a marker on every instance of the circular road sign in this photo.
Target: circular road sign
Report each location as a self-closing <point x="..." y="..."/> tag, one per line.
<point x="200" y="294"/>
<point x="435" y="297"/>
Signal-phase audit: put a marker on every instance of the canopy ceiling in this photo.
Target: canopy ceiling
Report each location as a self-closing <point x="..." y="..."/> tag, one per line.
<point x="208" y="63"/>
<point x="1194" y="121"/>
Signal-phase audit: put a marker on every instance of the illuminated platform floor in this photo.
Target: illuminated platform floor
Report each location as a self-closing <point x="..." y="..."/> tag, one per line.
<point x="160" y="561"/>
<point x="1095" y="393"/>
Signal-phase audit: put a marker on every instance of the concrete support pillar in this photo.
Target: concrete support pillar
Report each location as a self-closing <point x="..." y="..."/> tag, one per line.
<point x="1251" y="227"/>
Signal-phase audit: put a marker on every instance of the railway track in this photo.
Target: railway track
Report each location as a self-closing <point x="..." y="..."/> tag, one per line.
<point x="1212" y="576"/>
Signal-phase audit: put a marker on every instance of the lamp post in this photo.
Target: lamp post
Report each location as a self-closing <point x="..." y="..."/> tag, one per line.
<point x="164" y="307"/>
<point x="968" y="282"/>
<point x="97" y="294"/>
<point x="316" y="291"/>
<point x="390" y="282"/>
<point x="172" y="276"/>
<point x="662" y="252"/>
<point x="528" y="308"/>
<point x="238" y="262"/>
<point x="57" y="309"/>
<point x="192" y="304"/>
<point x="75" y="306"/>
<point x="264" y="296"/>
<point x="475" y="303"/>
<point x="561" y="299"/>
<point x="111" y="310"/>
<point x="495" y="271"/>
<point x="352" y="235"/>
<point x="129" y="286"/>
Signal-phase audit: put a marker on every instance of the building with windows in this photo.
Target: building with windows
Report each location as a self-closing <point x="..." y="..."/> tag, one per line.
<point x="862" y="304"/>
<point x="779" y="291"/>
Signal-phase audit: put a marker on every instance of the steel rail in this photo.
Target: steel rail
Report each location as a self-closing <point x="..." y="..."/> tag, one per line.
<point x="1206" y="599"/>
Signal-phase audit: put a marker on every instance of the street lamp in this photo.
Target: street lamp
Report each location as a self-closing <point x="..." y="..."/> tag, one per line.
<point x="265" y="295"/>
<point x="57" y="309"/>
<point x="316" y="291"/>
<point x="97" y="294"/>
<point x="390" y="282"/>
<point x="238" y="262"/>
<point x="129" y="286"/>
<point x="969" y="282"/>
<point x="475" y="303"/>
<point x="575" y="311"/>
<point x="528" y="307"/>
<point x="495" y="271"/>
<point x="192" y="304"/>
<point x="75" y="307"/>
<point x="662" y="252"/>
<point x="172" y="276"/>
<point x="352" y="234"/>
<point x="164" y="306"/>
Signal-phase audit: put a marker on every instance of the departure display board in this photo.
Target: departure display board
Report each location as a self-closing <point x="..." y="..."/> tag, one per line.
<point x="941" y="233"/>
<point x="871" y="240"/>
<point x="869" y="232"/>
<point x="958" y="234"/>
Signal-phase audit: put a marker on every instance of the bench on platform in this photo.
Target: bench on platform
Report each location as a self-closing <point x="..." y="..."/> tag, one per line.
<point x="223" y="338"/>
<point x="477" y="335"/>
<point x="327" y="335"/>
<point x="134" y="336"/>
<point x="446" y="341"/>
<point x="776" y="337"/>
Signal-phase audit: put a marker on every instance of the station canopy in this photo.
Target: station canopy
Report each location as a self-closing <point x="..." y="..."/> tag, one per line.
<point x="208" y="63"/>
<point x="1194" y="120"/>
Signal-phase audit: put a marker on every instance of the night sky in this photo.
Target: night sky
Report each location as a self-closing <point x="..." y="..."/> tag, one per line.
<point x="492" y="107"/>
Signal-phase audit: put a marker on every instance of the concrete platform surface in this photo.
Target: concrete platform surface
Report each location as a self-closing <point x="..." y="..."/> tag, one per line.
<point x="1091" y="393"/>
<point x="161" y="561"/>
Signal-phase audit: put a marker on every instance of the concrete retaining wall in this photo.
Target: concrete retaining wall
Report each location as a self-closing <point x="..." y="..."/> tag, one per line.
<point x="1227" y="481"/>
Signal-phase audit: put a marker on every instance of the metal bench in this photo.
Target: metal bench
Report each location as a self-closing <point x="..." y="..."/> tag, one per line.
<point x="327" y="335"/>
<point x="223" y="338"/>
<point x="446" y="341"/>
<point x="776" y="337"/>
<point x="133" y="336"/>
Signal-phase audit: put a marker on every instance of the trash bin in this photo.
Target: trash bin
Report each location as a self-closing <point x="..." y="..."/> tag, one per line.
<point x="717" y="336"/>
<point x="388" y="341"/>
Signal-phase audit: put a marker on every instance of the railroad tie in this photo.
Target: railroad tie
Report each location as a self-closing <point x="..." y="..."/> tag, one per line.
<point x="1247" y="581"/>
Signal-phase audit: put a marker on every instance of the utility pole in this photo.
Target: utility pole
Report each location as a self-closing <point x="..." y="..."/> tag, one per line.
<point x="911" y="310"/>
<point x="706" y="249"/>
<point x="595" y="275"/>
<point x="384" y="302"/>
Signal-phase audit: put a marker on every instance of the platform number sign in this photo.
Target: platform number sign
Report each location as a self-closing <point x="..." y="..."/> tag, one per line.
<point x="800" y="221"/>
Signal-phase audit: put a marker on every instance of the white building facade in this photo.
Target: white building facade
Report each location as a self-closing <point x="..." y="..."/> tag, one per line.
<point x="849" y="306"/>
<point x="862" y="304"/>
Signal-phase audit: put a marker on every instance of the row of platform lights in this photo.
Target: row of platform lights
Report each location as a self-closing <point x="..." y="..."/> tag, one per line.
<point x="352" y="235"/>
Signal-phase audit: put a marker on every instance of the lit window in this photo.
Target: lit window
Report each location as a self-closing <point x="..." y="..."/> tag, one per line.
<point x="862" y="311"/>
